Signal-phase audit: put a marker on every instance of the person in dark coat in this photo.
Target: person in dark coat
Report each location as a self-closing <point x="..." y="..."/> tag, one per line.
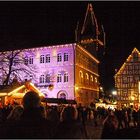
<point x="69" y="127"/>
<point x="32" y="123"/>
<point x="110" y="126"/>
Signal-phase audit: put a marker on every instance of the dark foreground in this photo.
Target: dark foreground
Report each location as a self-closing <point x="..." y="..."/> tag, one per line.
<point x="36" y="130"/>
<point x="126" y="133"/>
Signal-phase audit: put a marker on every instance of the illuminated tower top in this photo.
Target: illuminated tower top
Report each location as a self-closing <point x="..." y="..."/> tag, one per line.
<point x="90" y="26"/>
<point x="88" y="34"/>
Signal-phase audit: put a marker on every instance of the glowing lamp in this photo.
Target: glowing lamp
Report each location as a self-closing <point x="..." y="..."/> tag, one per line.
<point x="76" y="88"/>
<point x="114" y="92"/>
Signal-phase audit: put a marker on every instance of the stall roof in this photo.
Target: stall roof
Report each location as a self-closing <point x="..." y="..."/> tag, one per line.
<point x="59" y="101"/>
<point x="11" y="90"/>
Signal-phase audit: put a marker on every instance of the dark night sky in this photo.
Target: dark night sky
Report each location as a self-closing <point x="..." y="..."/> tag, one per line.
<point x="31" y="24"/>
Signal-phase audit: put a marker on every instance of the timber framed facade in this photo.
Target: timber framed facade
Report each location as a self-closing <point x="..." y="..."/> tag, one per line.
<point x="127" y="80"/>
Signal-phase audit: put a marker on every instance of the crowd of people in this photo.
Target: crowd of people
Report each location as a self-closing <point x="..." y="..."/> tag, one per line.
<point x="33" y="119"/>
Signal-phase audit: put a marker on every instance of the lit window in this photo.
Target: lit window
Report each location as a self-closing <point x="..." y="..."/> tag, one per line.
<point x="65" y="56"/>
<point x="48" y="58"/>
<point x="48" y="78"/>
<point x="31" y="60"/>
<point x="87" y="76"/>
<point x="95" y="80"/>
<point x="59" y="78"/>
<point x="81" y="76"/>
<point x="59" y="57"/>
<point x="42" y="59"/>
<point x="66" y="77"/>
<point x="91" y="78"/>
<point x="42" y="79"/>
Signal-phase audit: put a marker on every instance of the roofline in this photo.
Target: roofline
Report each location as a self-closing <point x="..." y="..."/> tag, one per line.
<point x="95" y="59"/>
<point x="135" y="49"/>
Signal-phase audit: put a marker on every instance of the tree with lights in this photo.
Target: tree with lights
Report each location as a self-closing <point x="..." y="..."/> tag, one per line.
<point x="13" y="64"/>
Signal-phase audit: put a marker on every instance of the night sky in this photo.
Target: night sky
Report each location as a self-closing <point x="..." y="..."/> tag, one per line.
<point x="33" y="24"/>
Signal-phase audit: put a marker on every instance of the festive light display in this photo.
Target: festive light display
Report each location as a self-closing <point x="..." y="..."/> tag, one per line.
<point x="127" y="79"/>
<point x="53" y="76"/>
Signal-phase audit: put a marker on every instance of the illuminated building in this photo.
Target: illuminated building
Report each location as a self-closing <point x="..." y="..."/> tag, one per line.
<point x="127" y="80"/>
<point x="68" y="70"/>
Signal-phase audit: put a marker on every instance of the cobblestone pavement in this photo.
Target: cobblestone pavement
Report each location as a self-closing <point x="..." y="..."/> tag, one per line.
<point x="94" y="132"/>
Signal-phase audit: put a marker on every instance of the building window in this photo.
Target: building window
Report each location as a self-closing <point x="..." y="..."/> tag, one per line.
<point x="48" y="58"/>
<point x="66" y="57"/>
<point x="48" y="78"/>
<point x="91" y="77"/>
<point x="42" y="59"/>
<point x="59" y="78"/>
<point x="26" y="61"/>
<point x="62" y="96"/>
<point x="59" y="57"/>
<point x="81" y="76"/>
<point x="96" y="80"/>
<point x="42" y="79"/>
<point x="66" y="77"/>
<point x="31" y="77"/>
<point x="87" y="76"/>
<point x="31" y="60"/>
<point x="15" y="62"/>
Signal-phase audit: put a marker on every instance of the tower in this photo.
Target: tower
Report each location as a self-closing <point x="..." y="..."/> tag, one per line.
<point x="89" y="34"/>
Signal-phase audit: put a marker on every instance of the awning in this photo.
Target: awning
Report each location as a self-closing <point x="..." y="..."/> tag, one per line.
<point x="59" y="101"/>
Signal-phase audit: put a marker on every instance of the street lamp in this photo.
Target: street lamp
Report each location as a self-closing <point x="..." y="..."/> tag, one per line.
<point x="114" y="92"/>
<point x="76" y="88"/>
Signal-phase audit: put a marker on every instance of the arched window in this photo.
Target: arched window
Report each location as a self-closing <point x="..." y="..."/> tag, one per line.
<point x="87" y="76"/>
<point x="62" y="94"/>
<point x="81" y="76"/>
<point x="91" y="77"/>
<point x="66" y="77"/>
<point x="96" y="80"/>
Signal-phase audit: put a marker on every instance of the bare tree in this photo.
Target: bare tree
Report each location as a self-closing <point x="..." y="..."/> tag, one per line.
<point x="14" y="63"/>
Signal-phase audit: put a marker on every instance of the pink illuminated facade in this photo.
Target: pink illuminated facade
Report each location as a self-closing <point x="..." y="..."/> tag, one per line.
<point x="55" y="67"/>
<point x="61" y="71"/>
<point x="67" y="71"/>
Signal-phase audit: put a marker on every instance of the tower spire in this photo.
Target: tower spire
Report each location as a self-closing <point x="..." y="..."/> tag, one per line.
<point x="90" y="16"/>
<point x="87" y="34"/>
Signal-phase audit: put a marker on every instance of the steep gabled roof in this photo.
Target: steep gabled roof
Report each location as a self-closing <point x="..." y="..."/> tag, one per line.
<point x="90" y="21"/>
<point x="135" y="50"/>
